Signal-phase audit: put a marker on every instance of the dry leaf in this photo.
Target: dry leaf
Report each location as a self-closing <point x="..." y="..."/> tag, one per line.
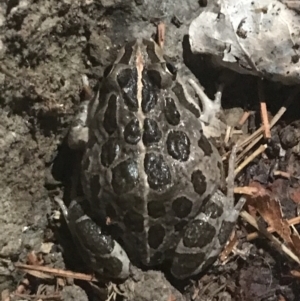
<point x="269" y="207"/>
<point x="296" y="241"/>
<point x="295" y="273"/>
<point x="250" y="37"/>
<point x="295" y="194"/>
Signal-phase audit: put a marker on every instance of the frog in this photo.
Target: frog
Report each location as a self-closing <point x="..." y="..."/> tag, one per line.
<point x="150" y="176"/>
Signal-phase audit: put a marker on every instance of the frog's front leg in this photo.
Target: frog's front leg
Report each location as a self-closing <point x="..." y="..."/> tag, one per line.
<point x="78" y="134"/>
<point x="211" y="113"/>
<point x="211" y="108"/>
<point x="205" y="236"/>
<point x="103" y="254"/>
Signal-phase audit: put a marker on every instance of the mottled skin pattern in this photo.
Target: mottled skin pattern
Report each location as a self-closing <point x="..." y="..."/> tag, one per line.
<point x="151" y="177"/>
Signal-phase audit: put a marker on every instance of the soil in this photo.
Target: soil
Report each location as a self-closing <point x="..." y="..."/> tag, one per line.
<point x="45" y="48"/>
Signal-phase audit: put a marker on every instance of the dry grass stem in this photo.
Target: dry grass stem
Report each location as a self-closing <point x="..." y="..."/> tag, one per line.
<point x="292" y="221"/>
<point x="259" y="151"/>
<point x="279" y="245"/>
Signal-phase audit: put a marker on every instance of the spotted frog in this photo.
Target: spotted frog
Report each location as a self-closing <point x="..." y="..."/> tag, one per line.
<point x="151" y="177"/>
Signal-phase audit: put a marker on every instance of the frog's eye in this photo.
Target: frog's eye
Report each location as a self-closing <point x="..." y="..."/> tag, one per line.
<point x="171" y="68"/>
<point x="108" y="70"/>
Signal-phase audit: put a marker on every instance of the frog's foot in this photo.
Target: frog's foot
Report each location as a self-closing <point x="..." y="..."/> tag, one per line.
<point x="210" y="107"/>
<point x="212" y="125"/>
<point x="205" y="236"/>
<point x="103" y="254"/>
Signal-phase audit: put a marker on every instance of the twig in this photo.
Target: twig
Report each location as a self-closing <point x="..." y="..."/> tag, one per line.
<point x="283" y="174"/>
<point x="257" y="135"/>
<point x="259" y="151"/>
<point x="292" y="221"/>
<point x="247" y="149"/>
<point x="263" y="110"/>
<point x="243" y="119"/>
<point x="88" y="94"/>
<point x="56" y="272"/>
<point x="229" y="247"/>
<point x="279" y="245"/>
<point x="247" y="190"/>
<point x="228" y="134"/>
<point x="161" y="32"/>
<point x="38" y="297"/>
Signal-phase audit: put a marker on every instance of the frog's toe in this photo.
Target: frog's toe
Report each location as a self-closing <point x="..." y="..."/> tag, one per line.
<point x="210" y="107"/>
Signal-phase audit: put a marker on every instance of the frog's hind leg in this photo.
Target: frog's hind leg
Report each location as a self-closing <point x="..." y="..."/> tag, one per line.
<point x="204" y="237"/>
<point x="102" y="254"/>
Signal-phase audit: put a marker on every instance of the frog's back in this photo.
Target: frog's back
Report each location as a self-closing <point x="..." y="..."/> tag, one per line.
<point x="148" y="169"/>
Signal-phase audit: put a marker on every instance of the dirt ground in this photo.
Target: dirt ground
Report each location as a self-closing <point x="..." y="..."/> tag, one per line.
<point x="45" y="47"/>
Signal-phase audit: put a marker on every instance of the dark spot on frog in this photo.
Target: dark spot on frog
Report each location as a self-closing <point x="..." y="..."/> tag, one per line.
<point x="182" y="207"/>
<point x="152" y="133"/>
<point x="126" y="202"/>
<point x="295" y="59"/>
<point x="156" y="236"/>
<point x="112" y="266"/>
<point x="179" y="226"/>
<point x="205" y="145"/>
<point x="127" y="80"/>
<point x="178" y="144"/>
<point x="186" y="264"/>
<point x="151" y="52"/>
<point x="157" y="170"/>
<point x="132" y="132"/>
<point x="109" y="152"/>
<point x="157" y="257"/>
<point x="206" y="199"/>
<point x="156" y="209"/>
<point x="212" y="210"/>
<point x="90" y="236"/>
<point x="171" y="112"/>
<point x="198" y="234"/>
<point x="125" y="176"/>
<point x="149" y="91"/>
<point x="134" y="221"/>
<point x="125" y="59"/>
<point x="178" y="90"/>
<point x="152" y="79"/>
<point x="110" y="115"/>
<point x="225" y="232"/>
<point x="199" y="182"/>
<point x="95" y="188"/>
